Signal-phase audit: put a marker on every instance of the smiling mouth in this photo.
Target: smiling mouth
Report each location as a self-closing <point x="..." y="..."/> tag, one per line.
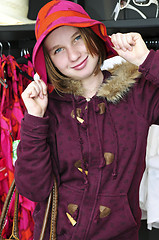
<point x="81" y="65"/>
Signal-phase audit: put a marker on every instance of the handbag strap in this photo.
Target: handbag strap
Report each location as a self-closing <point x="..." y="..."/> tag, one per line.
<point x="15" y="232"/>
<point x="54" y="211"/>
<point x="6" y="207"/>
<point x="52" y="200"/>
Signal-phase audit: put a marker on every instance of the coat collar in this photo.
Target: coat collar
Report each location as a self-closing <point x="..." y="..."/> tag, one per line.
<point x="121" y="78"/>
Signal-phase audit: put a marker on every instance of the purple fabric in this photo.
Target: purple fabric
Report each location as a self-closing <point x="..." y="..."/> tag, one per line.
<point x="53" y="144"/>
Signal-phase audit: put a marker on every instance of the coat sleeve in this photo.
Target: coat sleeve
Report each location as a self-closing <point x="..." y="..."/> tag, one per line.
<point x="150" y="67"/>
<point x="146" y="91"/>
<point x="33" y="168"/>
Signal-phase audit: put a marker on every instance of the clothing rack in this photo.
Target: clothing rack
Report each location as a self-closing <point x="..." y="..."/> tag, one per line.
<point x="19" y="36"/>
<point x="15" y="75"/>
<point x="16" y="47"/>
<point x="17" y="32"/>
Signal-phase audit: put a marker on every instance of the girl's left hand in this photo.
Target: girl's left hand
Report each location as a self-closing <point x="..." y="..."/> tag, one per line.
<point x="131" y="47"/>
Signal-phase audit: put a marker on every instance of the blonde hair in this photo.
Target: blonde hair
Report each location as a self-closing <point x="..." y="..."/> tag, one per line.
<point x="94" y="44"/>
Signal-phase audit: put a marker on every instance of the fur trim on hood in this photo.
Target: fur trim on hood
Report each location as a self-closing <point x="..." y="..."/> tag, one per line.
<point x="122" y="78"/>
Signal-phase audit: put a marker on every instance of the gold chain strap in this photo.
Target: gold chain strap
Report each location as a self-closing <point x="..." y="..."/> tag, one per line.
<point x="6" y="206"/>
<point x="53" y="198"/>
<point x="54" y="211"/>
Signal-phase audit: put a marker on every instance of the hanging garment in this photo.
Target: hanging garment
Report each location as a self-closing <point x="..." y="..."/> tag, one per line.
<point x="11" y="114"/>
<point x="149" y="193"/>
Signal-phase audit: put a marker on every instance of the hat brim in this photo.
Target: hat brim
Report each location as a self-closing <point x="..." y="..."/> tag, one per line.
<point x="98" y="27"/>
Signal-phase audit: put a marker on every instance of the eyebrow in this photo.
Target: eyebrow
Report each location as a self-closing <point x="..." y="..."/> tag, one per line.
<point x="54" y="48"/>
<point x="76" y="33"/>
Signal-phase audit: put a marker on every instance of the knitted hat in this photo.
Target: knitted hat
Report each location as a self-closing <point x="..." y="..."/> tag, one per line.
<point x="59" y="13"/>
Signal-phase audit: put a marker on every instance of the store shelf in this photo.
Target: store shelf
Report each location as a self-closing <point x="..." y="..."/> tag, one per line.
<point x="17" y="32"/>
<point x="148" y="28"/>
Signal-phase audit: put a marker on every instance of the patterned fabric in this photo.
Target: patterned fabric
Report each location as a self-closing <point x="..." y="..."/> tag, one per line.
<point x="11" y="112"/>
<point x="102" y="202"/>
<point x="58" y="13"/>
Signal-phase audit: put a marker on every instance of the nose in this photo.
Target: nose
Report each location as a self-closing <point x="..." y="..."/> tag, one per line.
<point x="73" y="53"/>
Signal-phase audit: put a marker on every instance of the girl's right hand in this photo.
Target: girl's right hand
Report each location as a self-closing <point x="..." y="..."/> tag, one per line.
<point x="35" y="98"/>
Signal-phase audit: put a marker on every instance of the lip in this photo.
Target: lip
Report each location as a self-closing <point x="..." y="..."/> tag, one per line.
<point x="81" y="65"/>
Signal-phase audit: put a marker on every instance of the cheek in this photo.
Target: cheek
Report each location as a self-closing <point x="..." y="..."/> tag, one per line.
<point x="96" y="59"/>
<point x="59" y="62"/>
<point x="82" y="48"/>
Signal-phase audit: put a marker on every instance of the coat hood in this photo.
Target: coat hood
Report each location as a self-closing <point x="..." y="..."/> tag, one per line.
<point x="58" y="13"/>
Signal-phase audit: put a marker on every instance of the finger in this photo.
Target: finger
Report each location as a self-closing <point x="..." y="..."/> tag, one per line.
<point x="123" y="42"/>
<point x="114" y="41"/>
<point x="124" y="45"/>
<point x="119" y="41"/>
<point x="35" y="91"/>
<point x="132" y="38"/>
<point x="39" y="87"/>
<point x="44" y="87"/>
<point x="31" y="91"/>
<point x="128" y="42"/>
<point x="135" y="36"/>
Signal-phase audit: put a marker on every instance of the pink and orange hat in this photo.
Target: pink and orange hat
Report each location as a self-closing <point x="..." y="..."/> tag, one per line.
<point x="58" y="13"/>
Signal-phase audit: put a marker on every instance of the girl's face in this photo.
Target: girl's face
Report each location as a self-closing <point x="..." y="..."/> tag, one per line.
<point x="69" y="53"/>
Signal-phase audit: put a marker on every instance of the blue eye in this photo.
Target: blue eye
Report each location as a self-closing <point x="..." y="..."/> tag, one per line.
<point x="58" y="50"/>
<point x="78" y="37"/>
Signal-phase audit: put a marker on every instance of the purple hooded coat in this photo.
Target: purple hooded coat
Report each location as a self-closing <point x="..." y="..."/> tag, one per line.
<point x="106" y="137"/>
<point x="96" y="149"/>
